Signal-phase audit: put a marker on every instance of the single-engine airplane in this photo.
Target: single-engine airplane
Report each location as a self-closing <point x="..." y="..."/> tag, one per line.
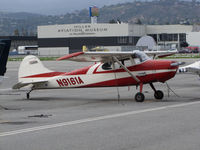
<point x="112" y="69"/>
<point x="4" y="51"/>
<point x="193" y="68"/>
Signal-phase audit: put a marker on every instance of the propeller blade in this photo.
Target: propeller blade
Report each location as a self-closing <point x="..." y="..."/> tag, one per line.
<point x="177" y="63"/>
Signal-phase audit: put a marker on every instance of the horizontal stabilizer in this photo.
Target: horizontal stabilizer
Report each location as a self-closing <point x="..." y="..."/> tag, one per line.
<point x="23" y="84"/>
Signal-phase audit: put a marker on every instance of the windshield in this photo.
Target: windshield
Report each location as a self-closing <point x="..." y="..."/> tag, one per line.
<point x="136" y="58"/>
<point x="141" y="55"/>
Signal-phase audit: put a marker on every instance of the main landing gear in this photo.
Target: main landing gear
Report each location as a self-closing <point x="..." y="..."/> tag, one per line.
<point x="139" y="97"/>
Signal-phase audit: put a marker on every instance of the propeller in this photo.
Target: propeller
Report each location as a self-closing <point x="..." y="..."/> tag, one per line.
<point x="177" y="64"/>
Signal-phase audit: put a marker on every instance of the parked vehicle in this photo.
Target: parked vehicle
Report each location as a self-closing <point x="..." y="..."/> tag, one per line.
<point x="27" y="50"/>
<point x="184" y="51"/>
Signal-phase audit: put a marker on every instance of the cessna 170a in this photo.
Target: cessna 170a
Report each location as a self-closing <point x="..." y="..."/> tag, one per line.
<point x="112" y="69"/>
<point x="4" y="51"/>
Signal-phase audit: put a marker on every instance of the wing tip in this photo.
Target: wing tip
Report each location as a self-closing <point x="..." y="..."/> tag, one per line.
<point x="70" y="56"/>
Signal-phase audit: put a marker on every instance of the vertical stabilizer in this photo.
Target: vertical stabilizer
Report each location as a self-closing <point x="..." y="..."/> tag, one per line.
<point x="84" y="48"/>
<point x="4" y="51"/>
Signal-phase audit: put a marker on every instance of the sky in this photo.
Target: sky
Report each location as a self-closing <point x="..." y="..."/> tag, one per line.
<point x="53" y="7"/>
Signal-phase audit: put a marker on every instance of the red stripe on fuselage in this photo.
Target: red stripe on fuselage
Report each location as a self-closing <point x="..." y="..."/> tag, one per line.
<point x="45" y="75"/>
<point x="158" y="77"/>
<point x="145" y="66"/>
<point x="148" y="65"/>
<point x="53" y="74"/>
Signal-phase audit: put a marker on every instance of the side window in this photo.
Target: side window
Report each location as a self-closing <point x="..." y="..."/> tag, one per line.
<point x="107" y="66"/>
<point x="127" y="63"/>
<point x="137" y="61"/>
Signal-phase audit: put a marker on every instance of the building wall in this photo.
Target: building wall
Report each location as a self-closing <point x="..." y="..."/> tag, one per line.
<point x="169" y="35"/>
<point x="56" y="51"/>
<point x="160" y="29"/>
<point x="193" y="38"/>
<point x="82" y="30"/>
<point x="136" y="30"/>
<point x="74" y="36"/>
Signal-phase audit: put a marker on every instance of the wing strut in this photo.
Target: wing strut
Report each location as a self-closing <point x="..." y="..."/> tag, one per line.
<point x="116" y="82"/>
<point x="126" y="69"/>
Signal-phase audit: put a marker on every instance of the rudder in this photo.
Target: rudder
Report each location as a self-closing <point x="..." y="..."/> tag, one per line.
<point x="29" y="66"/>
<point x="4" y="51"/>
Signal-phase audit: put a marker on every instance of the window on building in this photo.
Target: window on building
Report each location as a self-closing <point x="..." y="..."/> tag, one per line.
<point x="168" y="37"/>
<point x="182" y="37"/>
<point x="122" y="40"/>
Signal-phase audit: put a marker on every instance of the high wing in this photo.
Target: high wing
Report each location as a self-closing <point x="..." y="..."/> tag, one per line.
<point x="107" y="56"/>
<point x="160" y="54"/>
<point x="96" y="56"/>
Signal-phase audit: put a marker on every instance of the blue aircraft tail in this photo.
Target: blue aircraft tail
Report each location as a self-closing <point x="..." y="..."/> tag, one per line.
<point x="4" y="51"/>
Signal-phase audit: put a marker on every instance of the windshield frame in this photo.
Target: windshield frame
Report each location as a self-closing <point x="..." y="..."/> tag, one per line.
<point x="141" y="55"/>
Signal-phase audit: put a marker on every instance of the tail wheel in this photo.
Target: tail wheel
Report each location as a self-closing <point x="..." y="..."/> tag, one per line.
<point x="158" y="94"/>
<point x="27" y="95"/>
<point x="139" y="97"/>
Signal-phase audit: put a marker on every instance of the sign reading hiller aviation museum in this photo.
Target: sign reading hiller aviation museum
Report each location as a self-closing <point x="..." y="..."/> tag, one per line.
<point x="83" y="30"/>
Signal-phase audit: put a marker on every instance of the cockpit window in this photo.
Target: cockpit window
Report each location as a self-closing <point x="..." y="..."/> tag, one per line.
<point x="141" y="56"/>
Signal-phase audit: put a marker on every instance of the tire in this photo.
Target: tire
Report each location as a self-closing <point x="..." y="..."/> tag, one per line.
<point x="27" y="95"/>
<point x="139" y="97"/>
<point x="158" y="94"/>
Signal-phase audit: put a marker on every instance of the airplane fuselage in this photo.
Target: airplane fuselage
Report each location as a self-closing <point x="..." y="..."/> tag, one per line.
<point x="95" y="76"/>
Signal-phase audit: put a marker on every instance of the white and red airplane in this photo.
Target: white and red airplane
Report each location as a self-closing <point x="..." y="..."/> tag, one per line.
<point x="112" y="69"/>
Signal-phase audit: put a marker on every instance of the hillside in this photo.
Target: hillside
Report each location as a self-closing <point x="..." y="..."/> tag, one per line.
<point x="150" y="12"/>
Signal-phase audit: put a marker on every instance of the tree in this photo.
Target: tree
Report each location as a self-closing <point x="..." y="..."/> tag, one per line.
<point x="184" y="44"/>
<point x="138" y="21"/>
<point x="24" y="31"/>
<point x="112" y="21"/>
<point x="16" y="32"/>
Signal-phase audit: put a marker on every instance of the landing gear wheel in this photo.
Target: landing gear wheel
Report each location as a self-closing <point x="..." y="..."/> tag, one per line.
<point x="27" y="95"/>
<point x="158" y="94"/>
<point x="139" y="97"/>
